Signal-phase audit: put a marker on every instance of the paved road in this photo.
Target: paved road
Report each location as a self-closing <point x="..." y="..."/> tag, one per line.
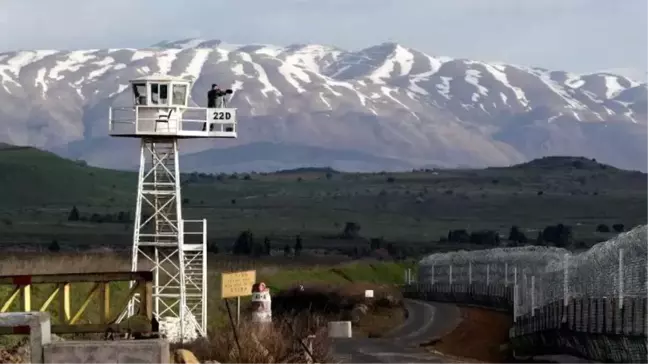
<point x="425" y="321"/>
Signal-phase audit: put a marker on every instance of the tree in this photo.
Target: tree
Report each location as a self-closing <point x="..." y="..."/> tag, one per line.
<point x="212" y="247"/>
<point x="351" y="230"/>
<point x="257" y="249"/>
<point x="516" y="235"/>
<point x="298" y="245"/>
<point x="485" y="237"/>
<point x="329" y="175"/>
<point x="266" y="245"/>
<point x="74" y="214"/>
<point x="539" y="239"/>
<point x="244" y="243"/>
<point x="287" y="250"/>
<point x="458" y="236"/>
<point x="618" y="228"/>
<point x="54" y="246"/>
<point x="560" y="235"/>
<point x="602" y="228"/>
<point x="391" y="249"/>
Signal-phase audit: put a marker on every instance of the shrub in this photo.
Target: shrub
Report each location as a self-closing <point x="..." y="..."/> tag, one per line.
<point x="278" y="343"/>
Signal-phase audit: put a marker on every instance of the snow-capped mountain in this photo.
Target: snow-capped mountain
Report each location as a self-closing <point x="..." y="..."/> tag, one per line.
<point x="387" y="102"/>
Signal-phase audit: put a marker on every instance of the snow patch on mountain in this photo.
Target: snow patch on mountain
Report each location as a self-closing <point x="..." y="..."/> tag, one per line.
<point x="387" y="99"/>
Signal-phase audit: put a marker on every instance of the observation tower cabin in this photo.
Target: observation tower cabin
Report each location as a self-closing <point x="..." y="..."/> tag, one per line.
<point x="161" y="109"/>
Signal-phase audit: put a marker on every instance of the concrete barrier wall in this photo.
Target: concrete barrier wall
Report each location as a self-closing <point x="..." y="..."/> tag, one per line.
<point x="121" y="351"/>
<point x="339" y="329"/>
<point x="35" y="324"/>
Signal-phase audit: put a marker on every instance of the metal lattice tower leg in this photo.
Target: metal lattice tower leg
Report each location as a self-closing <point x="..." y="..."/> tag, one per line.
<point x="179" y="287"/>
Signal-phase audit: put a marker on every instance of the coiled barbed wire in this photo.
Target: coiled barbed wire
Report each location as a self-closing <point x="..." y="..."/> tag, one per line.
<point x="540" y="274"/>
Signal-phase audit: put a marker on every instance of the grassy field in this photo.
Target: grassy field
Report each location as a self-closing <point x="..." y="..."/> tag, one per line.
<point x="38" y="190"/>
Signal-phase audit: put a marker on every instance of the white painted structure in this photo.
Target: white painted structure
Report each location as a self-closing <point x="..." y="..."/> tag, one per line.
<point x="340" y="329"/>
<point x="177" y="248"/>
<point x="261" y="304"/>
<point x="36" y="324"/>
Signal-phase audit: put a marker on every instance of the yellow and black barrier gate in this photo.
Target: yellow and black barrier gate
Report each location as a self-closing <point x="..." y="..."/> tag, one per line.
<point x="81" y="302"/>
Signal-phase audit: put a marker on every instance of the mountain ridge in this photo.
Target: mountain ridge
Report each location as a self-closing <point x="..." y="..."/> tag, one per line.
<point x="387" y="101"/>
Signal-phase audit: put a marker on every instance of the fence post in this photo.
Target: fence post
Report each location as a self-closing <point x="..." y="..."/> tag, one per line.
<point x="515" y="295"/>
<point x="566" y="280"/>
<point x="506" y="275"/>
<point x="432" y="275"/>
<point x="487" y="274"/>
<point x="533" y="296"/>
<point x="525" y="290"/>
<point x="450" y="274"/>
<point x="470" y="272"/>
<point x="620" y="278"/>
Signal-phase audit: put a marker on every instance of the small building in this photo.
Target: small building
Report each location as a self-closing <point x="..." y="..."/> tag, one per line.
<point x="161" y="108"/>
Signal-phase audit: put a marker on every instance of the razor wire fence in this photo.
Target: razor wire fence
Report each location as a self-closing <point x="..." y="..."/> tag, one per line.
<point x="541" y="276"/>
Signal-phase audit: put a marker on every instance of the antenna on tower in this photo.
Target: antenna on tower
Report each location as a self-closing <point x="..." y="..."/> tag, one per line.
<point x="175" y="248"/>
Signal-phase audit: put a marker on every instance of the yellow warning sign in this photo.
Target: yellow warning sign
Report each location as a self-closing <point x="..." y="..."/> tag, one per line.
<point x="237" y="284"/>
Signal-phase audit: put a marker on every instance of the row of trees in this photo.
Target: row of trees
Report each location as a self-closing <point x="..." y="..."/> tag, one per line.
<point x="246" y="244"/>
<point x="559" y="235"/>
<point x="118" y="217"/>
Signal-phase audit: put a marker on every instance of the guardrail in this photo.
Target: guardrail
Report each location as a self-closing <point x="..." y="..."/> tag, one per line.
<point x="97" y="309"/>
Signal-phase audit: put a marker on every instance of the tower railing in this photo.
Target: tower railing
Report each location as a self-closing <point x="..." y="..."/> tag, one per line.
<point x="191" y="122"/>
<point x="195" y="250"/>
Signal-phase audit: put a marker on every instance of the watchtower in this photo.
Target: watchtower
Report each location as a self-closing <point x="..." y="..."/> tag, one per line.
<point x="176" y="251"/>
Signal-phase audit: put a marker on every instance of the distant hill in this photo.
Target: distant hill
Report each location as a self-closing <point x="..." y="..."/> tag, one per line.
<point x="32" y="176"/>
<point x="563" y="162"/>
<point x="270" y="157"/>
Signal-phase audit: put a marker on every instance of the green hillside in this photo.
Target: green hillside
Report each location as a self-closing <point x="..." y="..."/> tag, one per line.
<point x="31" y="177"/>
<point x="38" y="190"/>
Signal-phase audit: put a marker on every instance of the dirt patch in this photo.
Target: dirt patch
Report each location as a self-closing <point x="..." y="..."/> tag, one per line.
<point x="479" y="336"/>
<point x="379" y="321"/>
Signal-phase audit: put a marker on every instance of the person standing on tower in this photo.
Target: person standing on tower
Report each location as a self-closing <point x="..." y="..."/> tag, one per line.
<point x="215" y="99"/>
<point x="212" y="95"/>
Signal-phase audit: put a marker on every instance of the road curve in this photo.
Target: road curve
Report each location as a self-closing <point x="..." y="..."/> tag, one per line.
<point x="425" y="321"/>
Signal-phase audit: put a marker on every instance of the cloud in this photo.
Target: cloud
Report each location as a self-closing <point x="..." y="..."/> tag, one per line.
<point x="577" y="35"/>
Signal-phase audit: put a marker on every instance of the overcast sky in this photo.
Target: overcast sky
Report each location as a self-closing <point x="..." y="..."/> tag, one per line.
<point x="576" y="35"/>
